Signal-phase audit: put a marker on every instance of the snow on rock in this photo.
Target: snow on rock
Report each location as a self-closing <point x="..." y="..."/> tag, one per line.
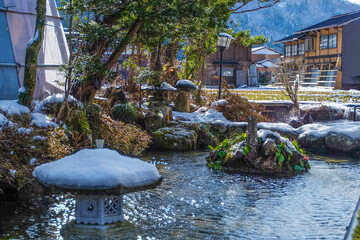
<point x="351" y="129"/>
<point x="283" y="127"/>
<point x="331" y="105"/>
<point x="56" y="98"/>
<point x="262" y="133"/>
<point x="97" y="169"/>
<point x="348" y="128"/>
<point x="166" y="86"/>
<point x="210" y="116"/>
<point x="42" y="120"/>
<point x="12" y="107"/>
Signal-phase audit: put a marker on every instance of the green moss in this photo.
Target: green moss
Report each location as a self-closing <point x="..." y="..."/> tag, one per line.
<point x="356" y="235"/>
<point x="78" y="122"/>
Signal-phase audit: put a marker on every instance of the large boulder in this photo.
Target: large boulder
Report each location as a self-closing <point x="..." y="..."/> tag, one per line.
<point x="174" y="138"/>
<point x="310" y="141"/>
<point x="323" y="113"/>
<point x="338" y="142"/>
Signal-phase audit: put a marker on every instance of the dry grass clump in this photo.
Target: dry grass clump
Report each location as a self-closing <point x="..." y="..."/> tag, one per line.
<point x="238" y="108"/>
<point x="125" y="138"/>
<point x="24" y="148"/>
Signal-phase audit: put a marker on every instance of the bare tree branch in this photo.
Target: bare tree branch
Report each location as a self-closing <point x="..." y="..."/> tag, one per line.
<point x="238" y="10"/>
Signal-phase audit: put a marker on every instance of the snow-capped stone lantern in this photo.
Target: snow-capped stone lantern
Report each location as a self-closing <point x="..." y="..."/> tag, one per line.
<point x="98" y="178"/>
<point x="182" y="101"/>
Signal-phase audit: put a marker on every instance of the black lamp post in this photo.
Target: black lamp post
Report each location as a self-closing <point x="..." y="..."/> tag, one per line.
<point x="223" y="42"/>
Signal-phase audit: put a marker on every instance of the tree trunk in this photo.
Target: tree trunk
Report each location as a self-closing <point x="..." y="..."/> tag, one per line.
<point x="86" y="91"/>
<point x="31" y="57"/>
<point x="65" y="104"/>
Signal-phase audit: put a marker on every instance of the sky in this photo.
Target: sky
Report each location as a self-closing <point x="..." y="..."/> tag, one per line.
<point x="355" y="1"/>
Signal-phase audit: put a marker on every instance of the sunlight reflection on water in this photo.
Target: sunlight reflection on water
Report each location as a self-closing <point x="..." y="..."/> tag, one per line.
<point x="195" y="202"/>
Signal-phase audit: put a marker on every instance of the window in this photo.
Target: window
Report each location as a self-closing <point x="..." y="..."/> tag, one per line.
<point x="227" y="72"/>
<point x="294" y="50"/>
<point x="332" y="40"/>
<point x="328" y="41"/>
<point x="288" y="51"/>
<point x="301" y="49"/>
<point x="324" y="42"/>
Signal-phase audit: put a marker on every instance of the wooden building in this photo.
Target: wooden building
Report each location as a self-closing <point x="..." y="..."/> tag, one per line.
<point x="236" y="64"/>
<point x="265" y="59"/>
<point x="331" y="49"/>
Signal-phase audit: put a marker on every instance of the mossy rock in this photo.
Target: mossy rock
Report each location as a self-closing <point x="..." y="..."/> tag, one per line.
<point x="174" y="138"/>
<point x="267" y="156"/>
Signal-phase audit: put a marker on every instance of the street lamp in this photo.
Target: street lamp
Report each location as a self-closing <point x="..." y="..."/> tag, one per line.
<point x="223" y="42"/>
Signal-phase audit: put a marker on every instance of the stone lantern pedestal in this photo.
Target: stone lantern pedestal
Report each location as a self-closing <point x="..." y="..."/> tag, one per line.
<point x="99" y="209"/>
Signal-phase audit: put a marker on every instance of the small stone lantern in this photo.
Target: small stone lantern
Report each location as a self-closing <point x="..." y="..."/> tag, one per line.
<point x="98" y="178"/>
<point x="159" y="102"/>
<point x="182" y="101"/>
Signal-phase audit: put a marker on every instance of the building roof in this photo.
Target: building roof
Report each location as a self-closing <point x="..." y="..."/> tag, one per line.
<point x="265" y="50"/>
<point x="335" y="21"/>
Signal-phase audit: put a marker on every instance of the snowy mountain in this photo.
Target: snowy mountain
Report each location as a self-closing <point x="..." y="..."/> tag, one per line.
<point x="289" y="16"/>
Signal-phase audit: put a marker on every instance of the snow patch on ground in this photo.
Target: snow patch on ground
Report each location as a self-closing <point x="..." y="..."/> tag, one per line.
<point x="33" y="161"/>
<point x="42" y="120"/>
<point x="3" y="119"/>
<point x="12" y="107"/>
<point x="24" y="130"/>
<point x="97" y="169"/>
<point x="221" y="102"/>
<point x="41" y="138"/>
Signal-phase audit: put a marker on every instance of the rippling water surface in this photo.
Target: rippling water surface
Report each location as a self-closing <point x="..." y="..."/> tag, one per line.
<point x="195" y="202"/>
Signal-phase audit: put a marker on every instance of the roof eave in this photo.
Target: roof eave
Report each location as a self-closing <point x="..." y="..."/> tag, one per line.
<point x="287" y="40"/>
<point x="315" y="29"/>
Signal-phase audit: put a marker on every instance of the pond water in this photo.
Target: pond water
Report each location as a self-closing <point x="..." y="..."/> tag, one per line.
<point x="195" y="202"/>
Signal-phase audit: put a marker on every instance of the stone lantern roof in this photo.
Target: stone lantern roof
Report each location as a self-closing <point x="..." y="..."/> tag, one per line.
<point x="98" y="172"/>
<point x="163" y="87"/>
<point x="185" y="85"/>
